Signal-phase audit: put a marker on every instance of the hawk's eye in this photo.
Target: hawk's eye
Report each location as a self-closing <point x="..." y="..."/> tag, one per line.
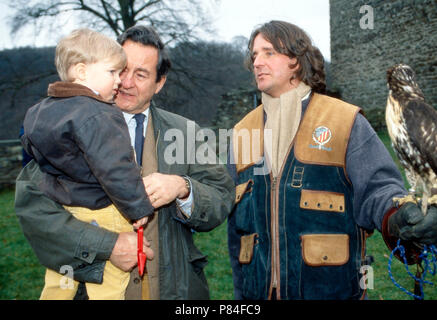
<point x="410" y="73"/>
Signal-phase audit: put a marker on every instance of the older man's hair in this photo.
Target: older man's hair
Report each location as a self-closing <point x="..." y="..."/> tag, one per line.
<point x="292" y="41"/>
<point x="88" y="47"/>
<point x="147" y="36"/>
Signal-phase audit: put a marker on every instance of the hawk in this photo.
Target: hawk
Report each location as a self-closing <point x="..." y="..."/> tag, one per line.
<point x="412" y="126"/>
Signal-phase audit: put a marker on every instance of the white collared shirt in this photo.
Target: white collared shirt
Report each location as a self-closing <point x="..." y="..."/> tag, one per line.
<point x="132" y="124"/>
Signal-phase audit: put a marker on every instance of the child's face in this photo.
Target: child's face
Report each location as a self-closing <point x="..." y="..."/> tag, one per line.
<point x="103" y="77"/>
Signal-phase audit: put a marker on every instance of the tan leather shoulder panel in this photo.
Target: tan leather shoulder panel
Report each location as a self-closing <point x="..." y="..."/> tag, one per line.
<point x="324" y="132"/>
<point x="248" y="139"/>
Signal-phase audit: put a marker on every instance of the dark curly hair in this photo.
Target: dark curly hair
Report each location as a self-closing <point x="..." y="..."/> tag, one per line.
<point x="292" y="41"/>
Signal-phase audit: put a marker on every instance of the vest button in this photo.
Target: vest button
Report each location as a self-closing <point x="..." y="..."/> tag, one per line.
<point x="136" y="280"/>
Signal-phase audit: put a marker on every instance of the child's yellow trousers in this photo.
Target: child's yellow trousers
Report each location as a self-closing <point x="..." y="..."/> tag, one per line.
<point x="115" y="281"/>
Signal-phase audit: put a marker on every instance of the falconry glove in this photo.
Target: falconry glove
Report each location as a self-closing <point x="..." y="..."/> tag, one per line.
<point x="409" y="224"/>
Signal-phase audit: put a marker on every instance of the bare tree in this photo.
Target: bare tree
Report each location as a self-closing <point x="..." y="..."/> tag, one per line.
<point x="214" y="69"/>
<point x="201" y="71"/>
<point x="175" y="20"/>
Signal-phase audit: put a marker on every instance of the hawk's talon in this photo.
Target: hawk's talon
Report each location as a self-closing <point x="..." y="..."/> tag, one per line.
<point x="433" y="200"/>
<point x="399" y="201"/>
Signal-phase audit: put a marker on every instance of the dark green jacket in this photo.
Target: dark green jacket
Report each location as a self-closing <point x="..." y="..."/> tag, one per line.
<point x="59" y="239"/>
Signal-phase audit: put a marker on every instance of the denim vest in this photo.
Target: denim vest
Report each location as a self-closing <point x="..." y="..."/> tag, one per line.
<point x="298" y="233"/>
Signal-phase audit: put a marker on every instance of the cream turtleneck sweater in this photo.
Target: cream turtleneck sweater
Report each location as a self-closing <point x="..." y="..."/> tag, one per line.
<point x="283" y="118"/>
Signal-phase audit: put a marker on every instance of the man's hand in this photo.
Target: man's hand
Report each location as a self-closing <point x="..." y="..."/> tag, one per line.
<point x="410" y="224"/>
<point x="140" y="222"/>
<point x="124" y="254"/>
<point x="164" y="188"/>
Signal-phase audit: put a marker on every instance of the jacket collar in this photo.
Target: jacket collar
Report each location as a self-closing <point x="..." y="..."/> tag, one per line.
<point x="64" y="89"/>
<point x="154" y="112"/>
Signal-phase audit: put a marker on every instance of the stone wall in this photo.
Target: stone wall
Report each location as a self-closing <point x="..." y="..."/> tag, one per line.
<point x="10" y="162"/>
<point x="404" y="31"/>
<point x="234" y="106"/>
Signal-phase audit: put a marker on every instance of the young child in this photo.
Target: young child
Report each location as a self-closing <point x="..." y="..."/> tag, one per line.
<point x="81" y="142"/>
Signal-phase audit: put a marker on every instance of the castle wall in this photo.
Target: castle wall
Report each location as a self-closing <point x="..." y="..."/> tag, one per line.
<point x="404" y="31"/>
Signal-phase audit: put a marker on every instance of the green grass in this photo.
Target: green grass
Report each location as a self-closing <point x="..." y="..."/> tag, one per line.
<point x="21" y="275"/>
<point x="218" y="271"/>
<point x="383" y="287"/>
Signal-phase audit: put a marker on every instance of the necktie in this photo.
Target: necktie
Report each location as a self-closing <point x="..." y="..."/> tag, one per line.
<point x="139" y="137"/>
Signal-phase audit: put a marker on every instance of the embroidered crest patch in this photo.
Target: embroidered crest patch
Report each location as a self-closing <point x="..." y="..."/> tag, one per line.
<point x="321" y="136"/>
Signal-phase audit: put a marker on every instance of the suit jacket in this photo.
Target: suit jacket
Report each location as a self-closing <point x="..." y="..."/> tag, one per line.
<point x="59" y="239"/>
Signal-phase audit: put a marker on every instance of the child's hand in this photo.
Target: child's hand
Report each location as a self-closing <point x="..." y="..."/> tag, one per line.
<point x="140" y="222"/>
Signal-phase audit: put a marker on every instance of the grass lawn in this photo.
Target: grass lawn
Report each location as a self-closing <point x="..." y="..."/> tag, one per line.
<point x="21" y="275"/>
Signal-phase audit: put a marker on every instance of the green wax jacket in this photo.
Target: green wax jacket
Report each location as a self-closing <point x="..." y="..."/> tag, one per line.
<point x="58" y="239"/>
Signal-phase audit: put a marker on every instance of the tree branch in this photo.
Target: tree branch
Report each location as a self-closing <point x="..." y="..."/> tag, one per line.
<point x="148" y="4"/>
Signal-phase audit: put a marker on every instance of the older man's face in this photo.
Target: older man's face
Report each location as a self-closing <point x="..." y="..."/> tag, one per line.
<point x="138" y="79"/>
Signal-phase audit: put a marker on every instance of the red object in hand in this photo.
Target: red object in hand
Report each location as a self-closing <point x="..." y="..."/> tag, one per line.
<point x="141" y="255"/>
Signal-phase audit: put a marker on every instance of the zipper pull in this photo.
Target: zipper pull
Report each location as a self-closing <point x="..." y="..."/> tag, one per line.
<point x="273" y="186"/>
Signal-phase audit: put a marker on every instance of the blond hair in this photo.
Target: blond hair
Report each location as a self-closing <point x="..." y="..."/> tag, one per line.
<point x="86" y="46"/>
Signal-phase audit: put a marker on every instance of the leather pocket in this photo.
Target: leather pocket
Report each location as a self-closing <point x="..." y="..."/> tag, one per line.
<point x="325" y="249"/>
<point x="246" y="248"/>
<point x="241" y="189"/>
<point x="322" y="201"/>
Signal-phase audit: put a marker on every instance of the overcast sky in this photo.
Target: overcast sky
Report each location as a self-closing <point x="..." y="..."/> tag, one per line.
<point x="231" y="18"/>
